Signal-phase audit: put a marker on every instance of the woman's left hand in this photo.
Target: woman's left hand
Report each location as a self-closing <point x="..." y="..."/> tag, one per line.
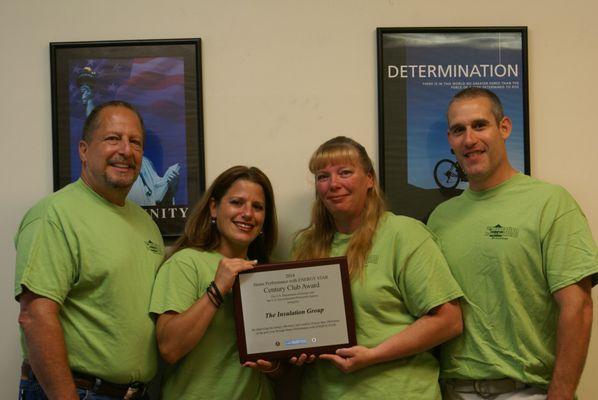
<point x="351" y="358"/>
<point x="264" y="366"/>
<point x="302" y="359"/>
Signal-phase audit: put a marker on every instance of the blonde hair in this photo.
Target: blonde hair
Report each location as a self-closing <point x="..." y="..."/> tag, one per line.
<point x="315" y="240"/>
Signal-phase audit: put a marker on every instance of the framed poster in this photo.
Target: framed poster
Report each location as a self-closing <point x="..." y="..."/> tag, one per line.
<point x="162" y="79"/>
<point x="419" y="70"/>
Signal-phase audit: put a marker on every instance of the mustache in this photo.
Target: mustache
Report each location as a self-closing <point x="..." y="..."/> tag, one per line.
<point x="121" y="160"/>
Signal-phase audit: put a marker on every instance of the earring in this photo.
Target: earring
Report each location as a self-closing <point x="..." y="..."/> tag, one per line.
<point x="213" y="221"/>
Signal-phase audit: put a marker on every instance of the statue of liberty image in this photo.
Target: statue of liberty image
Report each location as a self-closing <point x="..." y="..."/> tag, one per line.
<point x="150" y="189"/>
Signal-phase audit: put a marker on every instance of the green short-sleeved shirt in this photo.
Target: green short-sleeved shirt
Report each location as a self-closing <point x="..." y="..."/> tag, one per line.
<point x="98" y="261"/>
<point x="510" y="248"/>
<point x="405" y="277"/>
<point x="211" y="370"/>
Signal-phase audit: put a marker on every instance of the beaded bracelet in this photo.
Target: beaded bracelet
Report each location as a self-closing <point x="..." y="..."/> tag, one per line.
<point x="218" y="294"/>
<point x="214" y="295"/>
<point x="212" y="298"/>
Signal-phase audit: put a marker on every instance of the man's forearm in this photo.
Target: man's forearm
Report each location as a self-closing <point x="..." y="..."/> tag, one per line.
<point x="573" y="338"/>
<point x="47" y="350"/>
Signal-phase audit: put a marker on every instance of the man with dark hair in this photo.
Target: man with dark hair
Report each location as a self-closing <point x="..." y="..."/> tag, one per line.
<point x="149" y="189"/>
<point x="86" y="261"/>
<point x="93" y="120"/>
<point x="523" y="253"/>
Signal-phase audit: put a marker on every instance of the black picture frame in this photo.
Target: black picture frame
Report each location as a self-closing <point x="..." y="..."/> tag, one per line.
<point x="162" y="79"/>
<point x="340" y="293"/>
<point x="419" y="70"/>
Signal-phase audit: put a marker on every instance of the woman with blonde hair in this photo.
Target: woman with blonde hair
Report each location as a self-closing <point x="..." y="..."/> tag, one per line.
<point x="404" y="297"/>
<point x="230" y="230"/>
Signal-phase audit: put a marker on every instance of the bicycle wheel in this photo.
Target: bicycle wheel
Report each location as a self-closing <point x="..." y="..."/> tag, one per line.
<point x="446" y="174"/>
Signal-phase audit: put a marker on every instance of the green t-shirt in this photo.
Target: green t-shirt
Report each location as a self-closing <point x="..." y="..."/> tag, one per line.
<point x="510" y="248"/>
<point x="405" y="277"/>
<point x="211" y="370"/>
<point x="98" y="261"/>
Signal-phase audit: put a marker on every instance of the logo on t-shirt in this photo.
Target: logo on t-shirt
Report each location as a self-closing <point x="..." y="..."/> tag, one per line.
<point x="501" y="232"/>
<point x="153" y="247"/>
<point x="372" y="259"/>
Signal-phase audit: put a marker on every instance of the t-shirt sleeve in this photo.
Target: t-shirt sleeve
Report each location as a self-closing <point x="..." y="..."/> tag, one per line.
<point x="46" y="261"/>
<point x="432" y="223"/>
<point x="178" y="285"/>
<point x="23" y="244"/>
<point x="426" y="281"/>
<point x="569" y="251"/>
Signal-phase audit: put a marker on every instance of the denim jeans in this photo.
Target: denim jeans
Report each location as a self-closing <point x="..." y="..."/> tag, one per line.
<point x="31" y="390"/>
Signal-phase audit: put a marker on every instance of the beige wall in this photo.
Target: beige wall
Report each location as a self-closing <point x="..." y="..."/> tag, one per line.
<point x="280" y="77"/>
